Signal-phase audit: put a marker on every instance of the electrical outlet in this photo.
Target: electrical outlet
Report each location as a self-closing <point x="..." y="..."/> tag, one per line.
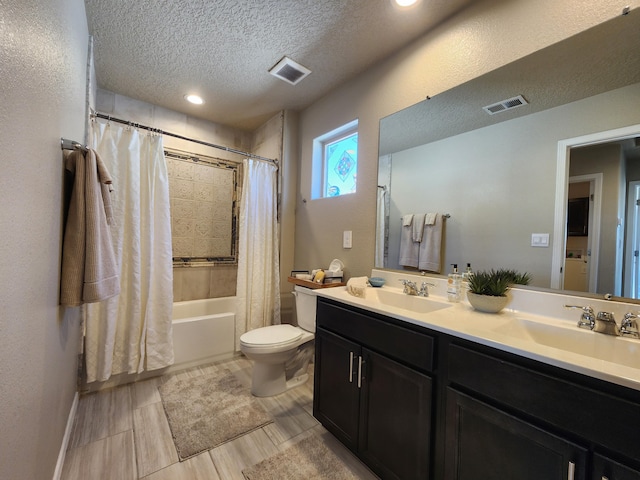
<point x="346" y="239"/>
<point x="539" y="239"/>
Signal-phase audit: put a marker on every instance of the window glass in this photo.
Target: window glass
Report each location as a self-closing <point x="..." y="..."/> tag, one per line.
<point x="335" y="162"/>
<point x="341" y="166"/>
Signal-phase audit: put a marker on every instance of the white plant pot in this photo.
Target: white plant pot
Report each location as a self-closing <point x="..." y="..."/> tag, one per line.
<point x="487" y="303"/>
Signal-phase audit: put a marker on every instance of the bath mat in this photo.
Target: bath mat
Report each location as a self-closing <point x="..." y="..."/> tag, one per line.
<point x="208" y="410"/>
<point x="309" y="459"/>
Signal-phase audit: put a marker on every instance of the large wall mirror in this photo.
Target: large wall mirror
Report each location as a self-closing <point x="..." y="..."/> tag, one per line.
<point x="506" y="178"/>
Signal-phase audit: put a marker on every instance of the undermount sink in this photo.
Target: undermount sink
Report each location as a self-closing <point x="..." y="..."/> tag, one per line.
<point x="397" y="299"/>
<point x="609" y="348"/>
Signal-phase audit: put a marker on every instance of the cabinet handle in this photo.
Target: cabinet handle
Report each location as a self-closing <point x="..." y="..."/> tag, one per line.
<point x="605" y="478"/>
<point x="571" y="471"/>
<point x="350" y="367"/>
<point x="360" y="362"/>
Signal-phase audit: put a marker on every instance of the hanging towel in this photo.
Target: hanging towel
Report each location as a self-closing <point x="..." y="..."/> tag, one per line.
<point x="418" y="227"/>
<point x="429" y="252"/>
<point x="89" y="270"/>
<point x="430" y="218"/>
<point x="408" y="248"/>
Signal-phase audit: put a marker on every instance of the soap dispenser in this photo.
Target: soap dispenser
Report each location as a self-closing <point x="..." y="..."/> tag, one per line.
<point x="467" y="273"/>
<point x="453" y="284"/>
<point x="466" y="276"/>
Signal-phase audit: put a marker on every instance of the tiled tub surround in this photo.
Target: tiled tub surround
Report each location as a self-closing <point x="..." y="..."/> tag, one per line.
<point x="203" y="208"/>
<point x="460" y="320"/>
<point x="196" y="282"/>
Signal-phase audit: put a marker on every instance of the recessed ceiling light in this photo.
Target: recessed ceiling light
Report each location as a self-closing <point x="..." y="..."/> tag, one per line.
<point x="405" y="3"/>
<point x="195" y="99"/>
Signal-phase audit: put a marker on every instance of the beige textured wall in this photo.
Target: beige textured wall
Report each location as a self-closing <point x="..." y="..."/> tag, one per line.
<point x="43" y="54"/>
<point x="485" y="36"/>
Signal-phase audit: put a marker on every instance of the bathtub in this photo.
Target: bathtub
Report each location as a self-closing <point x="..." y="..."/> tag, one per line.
<point x="203" y="331"/>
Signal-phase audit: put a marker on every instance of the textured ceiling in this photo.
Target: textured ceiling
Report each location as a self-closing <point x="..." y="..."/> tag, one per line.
<point x="595" y="61"/>
<point x="159" y="50"/>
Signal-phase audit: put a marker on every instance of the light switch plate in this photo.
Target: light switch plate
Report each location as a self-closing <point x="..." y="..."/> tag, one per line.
<point x="346" y="239"/>
<point x="539" y="239"/>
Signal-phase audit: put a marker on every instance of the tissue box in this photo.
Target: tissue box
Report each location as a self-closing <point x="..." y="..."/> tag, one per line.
<point x="332" y="277"/>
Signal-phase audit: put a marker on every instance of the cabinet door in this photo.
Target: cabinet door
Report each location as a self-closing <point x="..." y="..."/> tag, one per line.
<point x="395" y="413"/>
<point x="484" y="442"/>
<point x="607" y="469"/>
<point x="336" y="394"/>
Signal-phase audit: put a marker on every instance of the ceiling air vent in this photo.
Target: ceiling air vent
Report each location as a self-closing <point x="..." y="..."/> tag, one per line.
<point x="289" y="71"/>
<point x="504" y="105"/>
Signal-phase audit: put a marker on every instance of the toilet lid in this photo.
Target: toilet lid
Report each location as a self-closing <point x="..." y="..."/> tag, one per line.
<point x="271" y="335"/>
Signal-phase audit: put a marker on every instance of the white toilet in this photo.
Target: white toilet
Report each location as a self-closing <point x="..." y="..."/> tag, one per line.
<point x="281" y="353"/>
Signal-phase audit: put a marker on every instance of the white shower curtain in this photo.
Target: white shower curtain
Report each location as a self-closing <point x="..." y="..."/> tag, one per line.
<point x="258" y="286"/>
<point x="132" y="331"/>
<point x="380" y="228"/>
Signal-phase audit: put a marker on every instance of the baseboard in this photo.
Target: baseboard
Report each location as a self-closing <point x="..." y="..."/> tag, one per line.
<point x="67" y="436"/>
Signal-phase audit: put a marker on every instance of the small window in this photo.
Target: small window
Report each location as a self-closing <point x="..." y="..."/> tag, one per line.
<point x="335" y="160"/>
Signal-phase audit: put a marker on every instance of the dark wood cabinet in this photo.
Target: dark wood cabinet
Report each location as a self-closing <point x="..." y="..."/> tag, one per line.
<point x="607" y="469"/>
<point x="414" y="403"/>
<point x="483" y="442"/>
<point x="395" y="418"/>
<point x="338" y="404"/>
<point x="377" y="406"/>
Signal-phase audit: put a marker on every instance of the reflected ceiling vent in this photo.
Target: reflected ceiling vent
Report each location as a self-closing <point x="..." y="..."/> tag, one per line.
<point x="289" y="71"/>
<point x="505" y="105"/>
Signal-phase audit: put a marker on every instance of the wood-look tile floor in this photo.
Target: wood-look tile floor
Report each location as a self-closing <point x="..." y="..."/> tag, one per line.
<point x="123" y="433"/>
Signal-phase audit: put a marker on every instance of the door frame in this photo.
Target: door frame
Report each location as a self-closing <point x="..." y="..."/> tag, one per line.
<point x="595" y="211"/>
<point x="562" y="190"/>
<point x="631" y="278"/>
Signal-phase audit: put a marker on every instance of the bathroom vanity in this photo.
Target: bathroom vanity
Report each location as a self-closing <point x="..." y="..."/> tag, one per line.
<point x="437" y="390"/>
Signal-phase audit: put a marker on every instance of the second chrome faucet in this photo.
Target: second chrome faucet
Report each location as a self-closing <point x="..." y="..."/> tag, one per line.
<point x="604" y="322"/>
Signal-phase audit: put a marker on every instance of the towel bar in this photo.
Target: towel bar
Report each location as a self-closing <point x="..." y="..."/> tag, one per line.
<point x="67" y="144"/>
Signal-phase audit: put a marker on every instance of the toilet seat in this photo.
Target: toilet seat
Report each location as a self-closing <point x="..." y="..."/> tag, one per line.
<point x="271" y="336"/>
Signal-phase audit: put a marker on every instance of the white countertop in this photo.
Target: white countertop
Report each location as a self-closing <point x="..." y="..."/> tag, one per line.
<point x="497" y="330"/>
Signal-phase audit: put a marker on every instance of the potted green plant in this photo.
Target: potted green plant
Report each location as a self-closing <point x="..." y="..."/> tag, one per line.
<point x="488" y="289"/>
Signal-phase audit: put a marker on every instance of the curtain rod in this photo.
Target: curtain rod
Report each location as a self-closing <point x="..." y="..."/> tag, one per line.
<point x="181" y="137"/>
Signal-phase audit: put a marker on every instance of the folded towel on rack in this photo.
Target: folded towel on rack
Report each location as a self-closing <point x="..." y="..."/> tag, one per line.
<point x="408" y="248"/>
<point x="407" y="219"/>
<point x="418" y="227"/>
<point x="430" y="247"/>
<point x="430" y="219"/>
<point x="357" y="286"/>
<point x="89" y="268"/>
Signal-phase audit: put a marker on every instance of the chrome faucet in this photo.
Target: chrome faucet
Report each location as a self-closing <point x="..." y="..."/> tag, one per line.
<point x="629" y="325"/>
<point x="587" y="319"/>
<point x="605" y="323"/>
<point x="410" y="288"/>
<point x="424" y="289"/>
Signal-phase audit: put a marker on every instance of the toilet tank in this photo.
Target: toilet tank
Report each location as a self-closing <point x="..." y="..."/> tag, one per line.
<point x="305" y="308"/>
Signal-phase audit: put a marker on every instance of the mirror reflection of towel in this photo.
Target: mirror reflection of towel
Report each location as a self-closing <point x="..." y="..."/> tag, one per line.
<point x="418" y="227"/>
<point x="429" y="251"/>
<point x="430" y="218"/>
<point x="408" y="248"/>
